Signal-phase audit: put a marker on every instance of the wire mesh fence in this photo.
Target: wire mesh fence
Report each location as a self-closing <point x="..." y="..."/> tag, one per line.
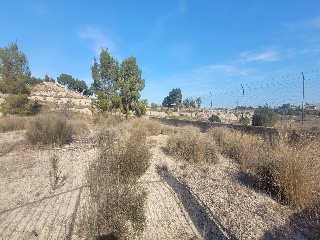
<point x="295" y="98"/>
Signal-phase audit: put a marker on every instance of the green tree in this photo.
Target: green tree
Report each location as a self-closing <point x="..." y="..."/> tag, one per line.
<point x="192" y="103"/>
<point x="18" y="105"/>
<point x="174" y="98"/>
<point x="65" y="79"/>
<point x="130" y="84"/>
<point x="14" y="70"/>
<point x="186" y="103"/>
<point x="33" y="81"/>
<point x="105" y="74"/>
<point x="48" y="79"/>
<point x="214" y="118"/>
<point x="264" y="116"/>
<point x="199" y="101"/>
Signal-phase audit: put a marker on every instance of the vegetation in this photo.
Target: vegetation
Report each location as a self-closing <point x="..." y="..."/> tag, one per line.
<point x="19" y="105"/>
<point x="79" y="86"/>
<point x="214" y="118"/>
<point x="116" y="205"/>
<point x="289" y="172"/>
<point x="117" y="87"/>
<point x="14" y="76"/>
<point x="264" y="116"/>
<point x="173" y="99"/>
<point x="12" y="123"/>
<point x="48" y="130"/>
<point x="14" y="70"/>
<point x="192" y="146"/>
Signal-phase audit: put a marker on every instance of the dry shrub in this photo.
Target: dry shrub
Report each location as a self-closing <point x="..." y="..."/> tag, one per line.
<point x="116" y="206"/>
<point x="49" y="129"/>
<point x="152" y="127"/>
<point x="291" y="173"/>
<point x="108" y="119"/>
<point x="12" y="123"/>
<point x="243" y="148"/>
<point x="191" y="145"/>
<point x="79" y="127"/>
<point x="297" y="173"/>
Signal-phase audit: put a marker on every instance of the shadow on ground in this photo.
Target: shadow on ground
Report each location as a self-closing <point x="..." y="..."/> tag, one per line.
<point x="203" y="219"/>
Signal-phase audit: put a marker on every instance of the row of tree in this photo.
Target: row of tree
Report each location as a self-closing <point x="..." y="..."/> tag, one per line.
<point x="115" y="86"/>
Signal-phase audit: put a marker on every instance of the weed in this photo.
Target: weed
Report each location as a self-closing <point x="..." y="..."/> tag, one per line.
<point x="12" y="123"/>
<point x="54" y="172"/>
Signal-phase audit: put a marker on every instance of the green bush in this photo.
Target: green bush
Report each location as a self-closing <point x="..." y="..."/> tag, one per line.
<point x="19" y="105"/>
<point x="49" y="130"/>
<point x="264" y="116"/>
<point x="214" y="118"/>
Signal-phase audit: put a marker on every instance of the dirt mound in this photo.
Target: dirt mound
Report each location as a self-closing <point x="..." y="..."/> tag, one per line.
<point x="61" y="96"/>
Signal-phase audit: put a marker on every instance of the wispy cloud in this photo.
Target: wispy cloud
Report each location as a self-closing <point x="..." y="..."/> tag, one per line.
<point x="98" y="40"/>
<point x="311" y="23"/>
<point x="268" y="55"/>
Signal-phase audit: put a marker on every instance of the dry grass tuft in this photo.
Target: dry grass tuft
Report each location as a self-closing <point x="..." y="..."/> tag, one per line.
<point x="192" y="146"/>
<point x="12" y="123"/>
<point x="116" y="204"/>
<point x="49" y="130"/>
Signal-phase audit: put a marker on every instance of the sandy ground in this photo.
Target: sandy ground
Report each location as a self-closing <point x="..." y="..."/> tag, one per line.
<point x="184" y="201"/>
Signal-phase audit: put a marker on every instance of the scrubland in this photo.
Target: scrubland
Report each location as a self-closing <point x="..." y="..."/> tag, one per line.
<point x="104" y="177"/>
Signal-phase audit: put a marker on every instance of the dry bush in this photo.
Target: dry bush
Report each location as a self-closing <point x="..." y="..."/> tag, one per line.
<point x="297" y="173"/>
<point x="12" y="123"/>
<point x="244" y="148"/>
<point x="49" y="129"/>
<point x="116" y="206"/>
<point x="152" y="127"/>
<point x="107" y="119"/>
<point x="290" y="172"/>
<point x="191" y="145"/>
<point x="79" y="127"/>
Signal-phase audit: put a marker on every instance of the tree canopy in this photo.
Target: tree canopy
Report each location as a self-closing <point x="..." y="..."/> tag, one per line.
<point x="79" y="86"/>
<point x="117" y="86"/>
<point x="14" y="70"/>
<point x="174" y="98"/>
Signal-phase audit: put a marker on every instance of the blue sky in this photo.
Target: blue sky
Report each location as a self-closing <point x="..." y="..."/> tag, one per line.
<point x="199" y="46"/>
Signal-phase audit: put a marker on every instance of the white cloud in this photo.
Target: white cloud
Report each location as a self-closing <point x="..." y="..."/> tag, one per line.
<point x="268" y="55"/>
<point x="98" y="40"/>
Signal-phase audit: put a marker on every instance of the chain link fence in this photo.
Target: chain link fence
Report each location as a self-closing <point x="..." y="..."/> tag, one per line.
<point x="295" y="98"/>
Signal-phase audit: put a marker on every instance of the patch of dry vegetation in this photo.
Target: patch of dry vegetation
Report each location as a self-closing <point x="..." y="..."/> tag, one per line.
<point x="116" y="205"/>
<point x="192" y="146"/>
<point x="48" y="130"/>
<point x="290" y="172"/>
<point x="12" y="123"/>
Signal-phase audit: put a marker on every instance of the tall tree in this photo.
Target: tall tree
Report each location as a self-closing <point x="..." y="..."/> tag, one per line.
<point x="130" y="85"/>
<point x="14" y="70"/>
<point x="105" y="74"/>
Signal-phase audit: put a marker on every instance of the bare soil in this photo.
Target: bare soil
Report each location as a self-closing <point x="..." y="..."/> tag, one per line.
<point x="184" y="201"/>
